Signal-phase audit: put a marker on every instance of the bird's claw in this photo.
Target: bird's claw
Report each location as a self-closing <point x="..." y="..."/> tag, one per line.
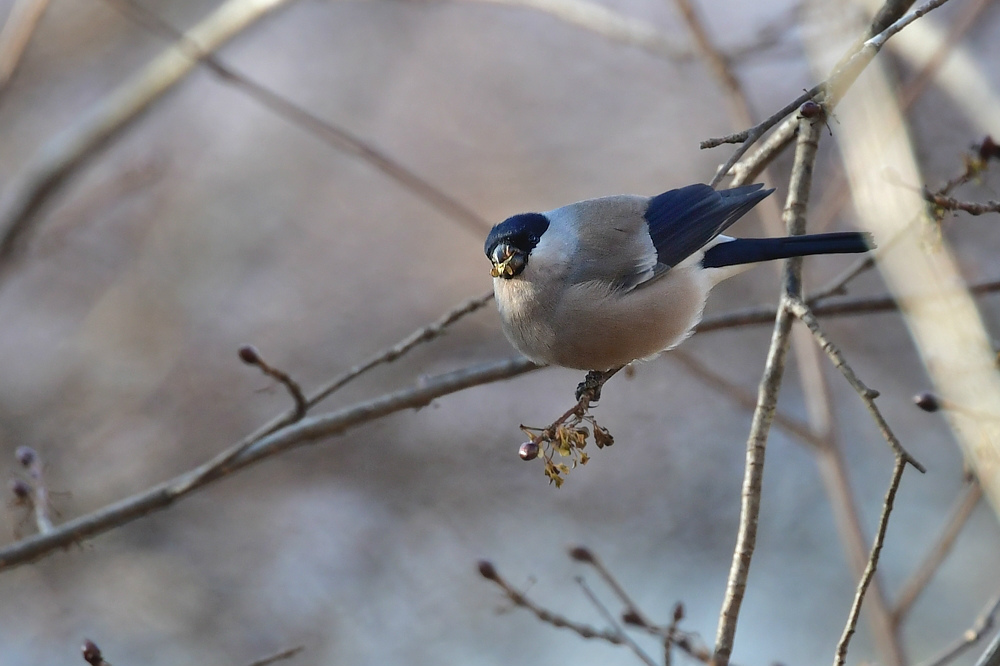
<point x="591" y="385"/>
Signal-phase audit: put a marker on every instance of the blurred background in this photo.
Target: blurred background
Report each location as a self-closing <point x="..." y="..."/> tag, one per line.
<point x="211" y="222"/>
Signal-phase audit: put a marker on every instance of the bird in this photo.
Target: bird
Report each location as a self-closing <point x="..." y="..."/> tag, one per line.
<point x="600" y="283"/>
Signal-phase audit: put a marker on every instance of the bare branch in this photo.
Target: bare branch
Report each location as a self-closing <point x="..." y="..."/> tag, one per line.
<point x="972" y="208"/>
<point x="848" y="307"/>
<point x="425" y="334"/>
<point x="610" y="619"/>
<point x="421" y="335"/>
<point x="827" y="94"/>
<point x="879" y="40"/>
<point x="883" y="524"/>
<point x="66" y="152"/>
<point x="306" y="431"/>
<point x="37" y="489"/>
<point x="331" y="134"/>
<point x="868" y="395"/>
<point x="249" y="355"/>
<point x="587" y="556"/>
<point x="278" y="656"/>
<point x="992" y="655"/>
<point x="767" y="398"/>
<point x="489" y="572"/>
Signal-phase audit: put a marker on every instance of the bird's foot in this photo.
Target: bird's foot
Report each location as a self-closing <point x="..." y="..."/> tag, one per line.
<point x="591" y="385"/>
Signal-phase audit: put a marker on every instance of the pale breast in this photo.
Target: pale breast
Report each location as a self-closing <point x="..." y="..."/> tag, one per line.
<point x="597" y="329"/>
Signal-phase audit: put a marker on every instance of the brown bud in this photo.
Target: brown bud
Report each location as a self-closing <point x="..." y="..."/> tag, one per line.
<point x="487" y="570"/>
<point x="927" y="402"/>
<point x="988" y="148"/>
<point x="678" y="612"/>
<point x="529" y="450"/>
<point x="26" y="455"/>
<point x="92" y="653"/>
<point x="633" y="618"/>
<point x="20" y="489"/>
<point x="581" y="554"/>
<point x="810" y="109"/>
<point x="249" y="354"/>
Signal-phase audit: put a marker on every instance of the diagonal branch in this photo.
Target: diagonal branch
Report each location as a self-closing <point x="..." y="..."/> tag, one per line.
<point x="983" y="624"/>
<point x="303" y="432"/>
<point x="796" y="307"/>
<point x="767" y="398"/>
<point x="64" y="154"/>
<point x="869" y="574"/>
<point x="331" y="134"/>
<point x="889" y="21"/>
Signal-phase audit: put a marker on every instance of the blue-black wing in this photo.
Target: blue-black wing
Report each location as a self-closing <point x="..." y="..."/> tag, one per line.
<point x="682" y="221"/>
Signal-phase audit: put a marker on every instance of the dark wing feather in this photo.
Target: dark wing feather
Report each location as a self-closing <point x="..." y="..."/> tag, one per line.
<point x="682" y="221"/>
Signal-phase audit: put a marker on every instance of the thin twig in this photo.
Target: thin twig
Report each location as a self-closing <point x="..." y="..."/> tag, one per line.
<point x="587" y="556"/>
<point x="331" y="134"/>
<point x="828" y="94"/>
<point x="306" y="431"/>
<point x="879" y="40"/>
<point x="633" y="615"/>
<point x="38" y="491"/>
<point x="991" y="657"/>
<point x="615" y="626"/>
<point x="421" y="335"/>
<point x="970" y="207"/>
<point x="756" y="132"/>
<point x="819" y="430"/>
<point x="883" y="524"/>
<point x="984" y="623"/>
<point x="518" y="598"/>
<point x="249" y="355"/>
<point x="279" y="656"/>
<point x="868" y="395"/>
<point x="767" y="398"/>
<point x="953" y="525"/>
<point x="847" y="307"/>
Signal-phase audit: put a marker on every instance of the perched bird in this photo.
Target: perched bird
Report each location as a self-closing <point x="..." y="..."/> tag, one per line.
<point x="600" y="283"/>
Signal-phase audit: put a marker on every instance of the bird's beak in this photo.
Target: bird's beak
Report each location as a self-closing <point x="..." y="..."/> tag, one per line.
<point x="507" y="260"/>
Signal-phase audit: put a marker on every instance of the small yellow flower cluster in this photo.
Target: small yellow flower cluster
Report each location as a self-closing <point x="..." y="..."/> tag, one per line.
<point x="565" y="440"/>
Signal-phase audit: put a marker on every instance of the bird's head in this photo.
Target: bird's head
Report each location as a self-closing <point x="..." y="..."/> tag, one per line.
<point x="510" y="243"/>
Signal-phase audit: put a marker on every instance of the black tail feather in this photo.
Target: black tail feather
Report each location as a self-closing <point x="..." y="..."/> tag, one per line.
<point x="751" y="250"/>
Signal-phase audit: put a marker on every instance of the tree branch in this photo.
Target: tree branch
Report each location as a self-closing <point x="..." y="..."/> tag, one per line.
<point x="306" y="431"/>
<point x="883" y="524"/>
<point x="888" y="22"/>
<point x="65" y="153"/>
<point x="767" y="397"/>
